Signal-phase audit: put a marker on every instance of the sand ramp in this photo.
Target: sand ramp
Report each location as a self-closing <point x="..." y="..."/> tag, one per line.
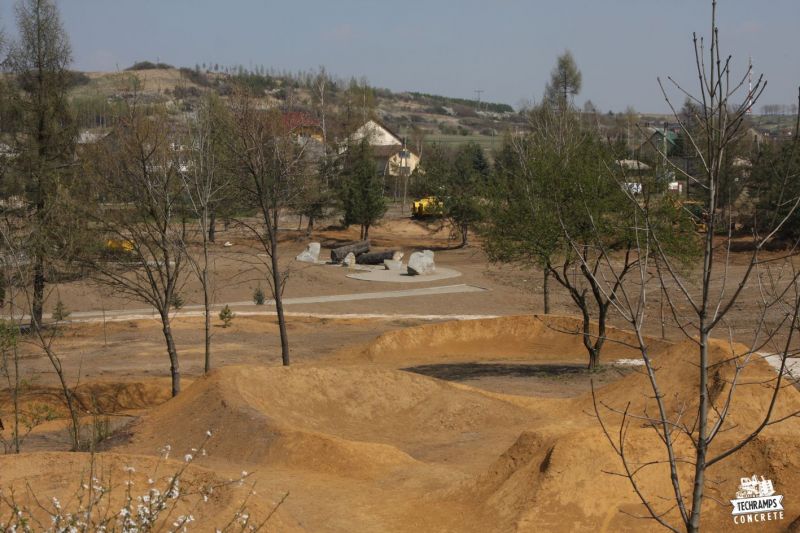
<point x="524" y="338"/>
<point x="362" y="419"/>
<point x="365" y="446"/>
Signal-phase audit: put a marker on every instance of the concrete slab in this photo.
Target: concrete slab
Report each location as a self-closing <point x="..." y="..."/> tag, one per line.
<point x="401" y="276"/>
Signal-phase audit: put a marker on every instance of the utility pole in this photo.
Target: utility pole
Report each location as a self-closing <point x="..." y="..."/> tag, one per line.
<point x="478" y="92"/>
<point x="749" y="85"/>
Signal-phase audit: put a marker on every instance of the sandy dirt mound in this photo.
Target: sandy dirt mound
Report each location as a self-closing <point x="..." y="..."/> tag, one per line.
<point x="363" y="446"/>
<point x="100" y="397"/>
<point x="360" y="418"/>
<point x="369" y="443"/>
<point x="405" y="233"/>
<point x="560" y="468"/>
<point x="44" y="476"/>
<point x="517" y="338"/>
<point x="113" y="397"/>
<point x="677" y="376"/>
<point x="545" y="482"/>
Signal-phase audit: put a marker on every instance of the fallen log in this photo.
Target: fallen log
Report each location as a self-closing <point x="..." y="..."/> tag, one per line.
<point x="356" y="248"/>
<point x="376" y="258"/>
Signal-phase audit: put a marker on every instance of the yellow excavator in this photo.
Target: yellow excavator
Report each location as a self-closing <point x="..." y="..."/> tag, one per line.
<point x="119" y="245"/>
<point x="698" y="213"/>
<point x="426" y="207"/>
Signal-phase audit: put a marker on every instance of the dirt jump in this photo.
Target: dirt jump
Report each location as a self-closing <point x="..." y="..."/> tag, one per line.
<point x="363" y="440"/>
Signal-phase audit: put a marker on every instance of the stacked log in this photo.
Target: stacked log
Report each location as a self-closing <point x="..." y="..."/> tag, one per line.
<point x="376" y="258"/>
<point x="356" y="248"/>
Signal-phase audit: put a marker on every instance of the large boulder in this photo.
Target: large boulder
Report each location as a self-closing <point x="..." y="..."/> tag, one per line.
<point x="310" y="254"/>
<point x="349" y="260"/>
<point x="421" y="263"/>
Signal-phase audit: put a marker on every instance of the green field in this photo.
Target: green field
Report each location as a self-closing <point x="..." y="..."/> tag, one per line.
<point x="487" y="142"/>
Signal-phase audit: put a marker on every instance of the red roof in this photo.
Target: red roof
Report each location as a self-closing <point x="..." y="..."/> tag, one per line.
<point x="293" y="120"/>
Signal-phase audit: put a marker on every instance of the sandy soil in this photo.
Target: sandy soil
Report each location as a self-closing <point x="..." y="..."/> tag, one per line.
<point x="391" y="424"/>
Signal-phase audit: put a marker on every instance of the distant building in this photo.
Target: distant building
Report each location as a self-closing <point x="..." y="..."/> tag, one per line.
<point x="659" y="141"/>
<point x="633" y="164"/>
<point x="302" y="125"/>
<point x="90" y="136"/>
<point x="392" y="156"/>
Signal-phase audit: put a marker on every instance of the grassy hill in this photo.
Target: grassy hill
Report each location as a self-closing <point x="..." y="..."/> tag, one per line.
<point x="422" y="118"/>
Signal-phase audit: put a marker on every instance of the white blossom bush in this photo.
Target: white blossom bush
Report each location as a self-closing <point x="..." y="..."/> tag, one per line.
<point x="154" y="509"/>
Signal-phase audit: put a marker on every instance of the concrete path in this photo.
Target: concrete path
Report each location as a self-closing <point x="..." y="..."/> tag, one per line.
<point x="248" y="308"/>
<point x="792" y="364"/>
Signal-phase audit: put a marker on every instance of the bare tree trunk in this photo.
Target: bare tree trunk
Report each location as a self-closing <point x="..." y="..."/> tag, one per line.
<point x="702" y="429"/>
<point x="207" y="312"/>
<point x="546" y="290"/>
<point x="38" y="292"/>
<point x="661" y="312"/>
<point x="587" y="337"/>
<point x="602" y="315"/>
<point x="174" y="368"/>
<point x="206" y="218"/>
<point x="212" y="226"/>
<point x="16" y="397"/>
<point x="278" y="285"/>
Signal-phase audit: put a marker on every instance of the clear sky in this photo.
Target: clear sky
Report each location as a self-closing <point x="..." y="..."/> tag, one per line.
<point x="504" y="47"/>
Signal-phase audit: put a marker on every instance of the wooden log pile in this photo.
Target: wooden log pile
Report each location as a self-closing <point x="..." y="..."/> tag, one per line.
<point x="357" y="248"/>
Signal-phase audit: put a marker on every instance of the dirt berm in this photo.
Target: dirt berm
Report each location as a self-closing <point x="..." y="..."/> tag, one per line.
<point x="362" y="447"/>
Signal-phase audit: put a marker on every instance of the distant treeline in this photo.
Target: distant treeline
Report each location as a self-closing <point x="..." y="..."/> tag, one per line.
<point x="148" y="65"/>
<point x="447" y="101"/>
<point x="260" y="78"/>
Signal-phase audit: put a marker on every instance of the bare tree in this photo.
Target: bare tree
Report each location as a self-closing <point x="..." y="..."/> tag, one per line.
<point x="138" y="217"/>
<point x="206" y="183"/>
<point x="271" y="160"/>
<point x="14" y="234"/>
<point x="321" y="88"/>
<point x="318" y="195"/>
<point x="700" y="300"/>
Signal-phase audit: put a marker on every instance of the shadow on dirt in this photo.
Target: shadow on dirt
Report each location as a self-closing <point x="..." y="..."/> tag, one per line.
<point x="466" y="371"/>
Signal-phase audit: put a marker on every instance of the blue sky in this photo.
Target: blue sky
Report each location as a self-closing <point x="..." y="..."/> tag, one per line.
<point x="504" y="47"/>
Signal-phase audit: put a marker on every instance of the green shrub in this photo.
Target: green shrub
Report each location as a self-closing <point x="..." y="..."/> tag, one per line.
<point x="227" y="316"/>
<point x="177" y="301"/>
<point x="60" y="312"/>
<point x="258" y="296"/>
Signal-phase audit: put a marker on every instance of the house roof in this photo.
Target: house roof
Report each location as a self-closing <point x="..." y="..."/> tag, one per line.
<point x="378" y="133"/>
<point x="293" y="120"/>
<point x="91" y="137"/>
<point x="671" y="136"/>
<point x="382" y="149"/>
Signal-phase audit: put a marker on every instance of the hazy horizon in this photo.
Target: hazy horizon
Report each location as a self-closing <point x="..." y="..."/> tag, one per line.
<point x="506" y="49"/>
